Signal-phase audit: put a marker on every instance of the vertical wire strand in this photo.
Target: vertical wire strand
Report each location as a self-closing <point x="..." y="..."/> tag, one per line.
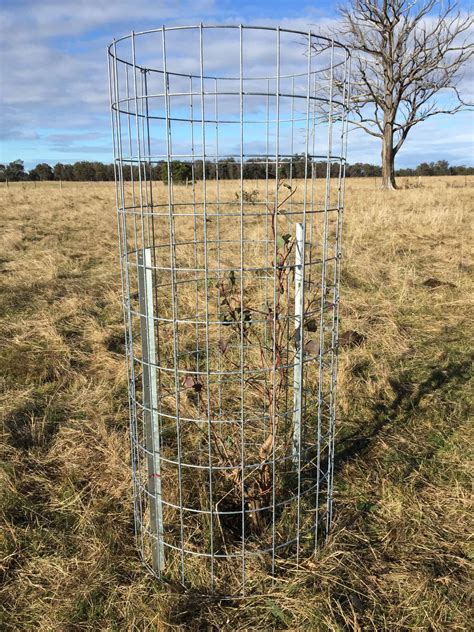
<point x="156" y="308"/>
<point x="266" y="270"/>
<point x="218" y="237"/>
<point x="130" y="149"/>
<point x="276" y="315"/>
<point x="292" y="139"/>
<point x="173" y="298"/>
<point x="126" y="302"/>
<point x="313" y="184"/>
<point x="138" y="140"/>
<point x="147" y="412"/>
<point x="327" y="206"/>
<point x="242" y="381"/>
<point x="132" y="175"/>
<point x="334" y="324"/>
<point x="206" y="290"/>
<point x="143" y="166"/>
<point x="123" y="282"/>
<point x="340" y="215"/>
<point x="313" y="215"/>
<point x="303" y="274"/>
<point x="267" y="168"/>
<point x="193" y="196"/>
<point x="290" y="212"/>
<point x="321" y="400"/>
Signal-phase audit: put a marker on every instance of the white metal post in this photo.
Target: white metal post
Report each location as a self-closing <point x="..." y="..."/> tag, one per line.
<point x="150" y="403"/>
<point x="299" y="342"/>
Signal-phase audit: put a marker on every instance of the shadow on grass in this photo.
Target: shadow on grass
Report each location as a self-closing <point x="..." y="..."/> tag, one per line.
<point x="408" y="396"/>
<point x="35" y="424"/>
<point x="191" y="608"/>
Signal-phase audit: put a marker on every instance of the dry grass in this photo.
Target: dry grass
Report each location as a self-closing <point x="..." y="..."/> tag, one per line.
<point x="399" y="556"/>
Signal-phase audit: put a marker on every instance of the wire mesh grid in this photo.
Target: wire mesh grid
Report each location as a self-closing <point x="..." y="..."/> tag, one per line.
<point x="229" y="148"/>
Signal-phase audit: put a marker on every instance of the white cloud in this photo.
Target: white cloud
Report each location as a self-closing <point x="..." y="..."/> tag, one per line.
<point x="53" y="73"/>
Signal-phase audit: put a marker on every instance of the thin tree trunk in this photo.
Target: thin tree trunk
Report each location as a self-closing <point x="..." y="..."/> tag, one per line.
<point x="388" y="158"/>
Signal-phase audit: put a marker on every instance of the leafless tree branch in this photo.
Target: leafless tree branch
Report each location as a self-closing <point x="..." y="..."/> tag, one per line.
<point x="409" y="58"/>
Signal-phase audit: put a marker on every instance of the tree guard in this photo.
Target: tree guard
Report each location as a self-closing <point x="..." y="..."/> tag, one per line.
<point x="229" y="153"/>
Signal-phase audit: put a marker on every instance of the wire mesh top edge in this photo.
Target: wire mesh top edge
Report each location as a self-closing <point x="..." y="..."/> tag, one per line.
<point x="326" y="44"/>
<point x="160" y="29"/>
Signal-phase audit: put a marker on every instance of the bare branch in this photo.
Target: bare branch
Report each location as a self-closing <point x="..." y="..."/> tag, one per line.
<point x="408" y="54"/>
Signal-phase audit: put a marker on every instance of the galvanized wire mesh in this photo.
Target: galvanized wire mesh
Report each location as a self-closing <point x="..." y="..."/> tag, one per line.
<point x="230" y="271"/>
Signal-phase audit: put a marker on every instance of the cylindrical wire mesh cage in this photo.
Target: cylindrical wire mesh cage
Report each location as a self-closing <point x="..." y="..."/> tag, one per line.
<point x="229" y="147"/>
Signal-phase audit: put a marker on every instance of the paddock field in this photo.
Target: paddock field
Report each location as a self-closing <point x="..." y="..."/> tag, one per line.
<point x="399" y="557"/>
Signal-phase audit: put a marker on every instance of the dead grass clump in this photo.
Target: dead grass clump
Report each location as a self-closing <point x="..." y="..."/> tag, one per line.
<point x="411" y="183"/>
<point x="249" y="197"/>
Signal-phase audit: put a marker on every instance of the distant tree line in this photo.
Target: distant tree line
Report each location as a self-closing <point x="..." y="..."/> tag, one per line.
<point x="227" y="169"/>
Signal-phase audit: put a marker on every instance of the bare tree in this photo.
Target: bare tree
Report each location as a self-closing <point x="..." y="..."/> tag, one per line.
<point x="408" y="52"/>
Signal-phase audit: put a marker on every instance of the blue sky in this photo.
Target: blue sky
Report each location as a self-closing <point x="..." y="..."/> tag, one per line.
<point x="53" y="75"/>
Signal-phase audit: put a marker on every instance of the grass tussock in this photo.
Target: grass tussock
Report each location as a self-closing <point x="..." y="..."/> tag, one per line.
<point x="399" y="555"/>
